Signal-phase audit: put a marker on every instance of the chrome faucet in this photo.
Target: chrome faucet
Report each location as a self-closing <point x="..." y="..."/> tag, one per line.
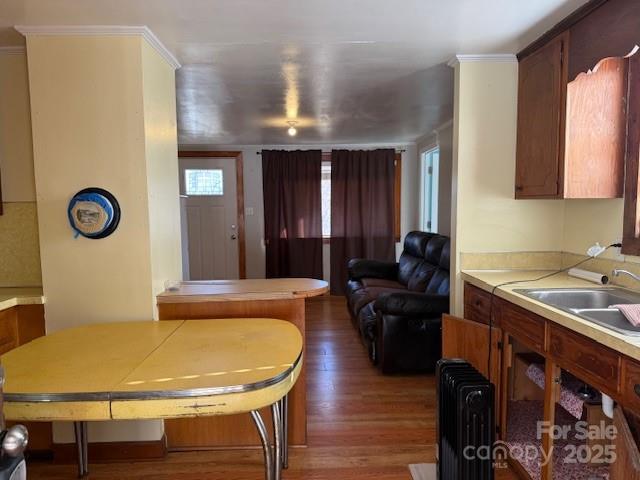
<point x="616" y="272"/>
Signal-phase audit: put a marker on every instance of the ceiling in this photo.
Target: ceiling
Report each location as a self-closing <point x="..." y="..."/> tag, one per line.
<point x="347" y="71"/>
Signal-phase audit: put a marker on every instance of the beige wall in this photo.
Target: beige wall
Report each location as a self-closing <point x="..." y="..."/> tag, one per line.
<point x="159" y="97"/>
<point x="486" y="217"/>
<point x="254" y="224"/>
<point x="589" y="221"/>
<point x="103" y="113"/>
<point x="19" y="249"/>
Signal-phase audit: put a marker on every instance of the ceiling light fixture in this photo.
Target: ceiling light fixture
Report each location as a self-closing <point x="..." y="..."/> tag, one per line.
<point x="292" y="131"/>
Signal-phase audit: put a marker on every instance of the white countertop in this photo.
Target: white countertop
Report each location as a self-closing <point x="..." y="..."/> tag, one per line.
<point x="11" y="297"/>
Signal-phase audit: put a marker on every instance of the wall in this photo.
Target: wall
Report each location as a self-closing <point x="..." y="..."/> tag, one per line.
<point x="161" y="147"/>
<point x="486" y="217"/>
<point x="441" y="137"/>
<point x="19" y="249"/>
<point x="103" y="114"/>
<point x="254" y="225"/>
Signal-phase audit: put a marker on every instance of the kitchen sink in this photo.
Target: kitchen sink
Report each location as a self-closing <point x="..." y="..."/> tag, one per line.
<point x="592" y="304"/>
<point x="610" y="318"/>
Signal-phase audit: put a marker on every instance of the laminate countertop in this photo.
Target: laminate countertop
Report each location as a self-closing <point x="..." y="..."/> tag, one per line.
<point x="12" y="297"/>
<point x="243" y="290"/>
<point x="488" y="279"/>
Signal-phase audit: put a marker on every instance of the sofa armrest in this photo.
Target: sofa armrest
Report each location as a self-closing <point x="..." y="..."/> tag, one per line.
<point x="361" y="268"/>
<point x="412" y="304"/>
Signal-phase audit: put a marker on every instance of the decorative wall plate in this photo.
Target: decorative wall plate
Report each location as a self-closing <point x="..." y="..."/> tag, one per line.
<point x="94" y="213"/>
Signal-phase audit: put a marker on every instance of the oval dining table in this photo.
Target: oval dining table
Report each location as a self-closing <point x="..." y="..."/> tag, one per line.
<point x="158" y="370"/>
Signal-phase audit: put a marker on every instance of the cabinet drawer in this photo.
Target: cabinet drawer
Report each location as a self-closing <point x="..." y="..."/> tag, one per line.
<point x="586" y="359"/>
<point x="631" y="385"/>
<point x="477" y="304"/>
<point x="523" y="325"/>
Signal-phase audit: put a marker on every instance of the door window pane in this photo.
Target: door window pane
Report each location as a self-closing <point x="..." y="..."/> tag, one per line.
<point x="203" y="181"/>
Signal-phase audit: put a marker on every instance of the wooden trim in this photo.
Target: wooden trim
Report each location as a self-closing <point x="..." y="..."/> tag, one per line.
<point x="551" y="392"/>
<point x="631" y="225"/>
<point x="242" y="246"/>
<point x="237" y="156"/>
<point x="397" y="197"/>
<point x="564" y="80"/>
<point x="560" y="27"/>
<point x="104" y="452"/>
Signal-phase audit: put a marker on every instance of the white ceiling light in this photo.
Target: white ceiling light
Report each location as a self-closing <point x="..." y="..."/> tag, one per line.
<point x="292" y="129"/>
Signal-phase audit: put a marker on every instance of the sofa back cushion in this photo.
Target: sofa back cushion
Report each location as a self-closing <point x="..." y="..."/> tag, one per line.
<point x="424" y="263"/>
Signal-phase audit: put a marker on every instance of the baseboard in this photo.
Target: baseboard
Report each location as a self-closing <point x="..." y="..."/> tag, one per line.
<point x="105" y="452"/>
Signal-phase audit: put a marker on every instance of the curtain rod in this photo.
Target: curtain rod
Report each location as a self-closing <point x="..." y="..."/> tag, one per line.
<point x="398" y="150"/>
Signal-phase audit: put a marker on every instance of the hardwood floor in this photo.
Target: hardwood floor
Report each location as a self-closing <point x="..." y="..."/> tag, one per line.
<point x="361" y="424"/>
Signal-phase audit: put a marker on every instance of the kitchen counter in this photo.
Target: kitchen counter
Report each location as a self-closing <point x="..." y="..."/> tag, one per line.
<point x="488" y="279"/>
<point x="12" y="297"/>
<point x="243" y="290"/>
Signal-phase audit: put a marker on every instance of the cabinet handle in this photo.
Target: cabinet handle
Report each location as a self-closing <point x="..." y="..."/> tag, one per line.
<point x="636" y="389"/>
<point x="519" y="188"/>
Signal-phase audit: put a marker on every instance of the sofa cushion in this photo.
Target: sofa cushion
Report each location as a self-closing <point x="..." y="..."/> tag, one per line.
<point x="365" y="295"/>
<point x="433" y="249"/>
<point x="439" y="283"/>
<point x="421" y="277"/>
<point x="381" y="282"/>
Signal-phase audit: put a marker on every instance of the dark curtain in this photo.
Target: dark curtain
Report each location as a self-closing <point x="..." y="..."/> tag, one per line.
<point x="292" y="213"/>
<point x="362" y="209"/>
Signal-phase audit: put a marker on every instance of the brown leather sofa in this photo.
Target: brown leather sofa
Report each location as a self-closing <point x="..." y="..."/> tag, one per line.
<point x="398" y="307"/>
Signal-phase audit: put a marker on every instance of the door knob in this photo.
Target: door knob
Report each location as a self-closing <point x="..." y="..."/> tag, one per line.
<point x="234" y="236"/>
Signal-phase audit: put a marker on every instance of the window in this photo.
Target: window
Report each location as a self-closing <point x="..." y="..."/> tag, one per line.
<point x="203" y="182"/>
<point x="326" y="199"/>
<point x="430" y="163"/>
<point x="326" y="195"/>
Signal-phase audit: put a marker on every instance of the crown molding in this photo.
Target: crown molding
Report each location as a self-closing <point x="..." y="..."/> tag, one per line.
<point x="102" y="30"/>
<point x="490" y="58"/>
<point x="14" y="50"/>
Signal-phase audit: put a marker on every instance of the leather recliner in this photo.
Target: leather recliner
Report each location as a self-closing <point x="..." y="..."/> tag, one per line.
<point x="397" y="307"/>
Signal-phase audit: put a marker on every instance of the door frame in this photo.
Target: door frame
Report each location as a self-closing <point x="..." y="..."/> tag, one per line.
<point x="237" y="157"/>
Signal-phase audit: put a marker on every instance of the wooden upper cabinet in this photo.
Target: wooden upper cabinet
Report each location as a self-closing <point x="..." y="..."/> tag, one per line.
<point x="596" y="131"/>
<point x="541" y="94"/>
<point x="571" y="134"/>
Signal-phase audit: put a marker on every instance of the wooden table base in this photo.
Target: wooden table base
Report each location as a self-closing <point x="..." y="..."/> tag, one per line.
<point x="238" y="430"/>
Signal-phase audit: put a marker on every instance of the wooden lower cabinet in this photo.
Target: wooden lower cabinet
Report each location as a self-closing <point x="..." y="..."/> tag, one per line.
<point x="522" y="336"/>
<point x="19" y="325"/>
<point x="470" y="340"/>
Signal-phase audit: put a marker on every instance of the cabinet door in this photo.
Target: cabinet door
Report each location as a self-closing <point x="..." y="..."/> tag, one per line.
<point x="470" y="341"/>
<point x="541" y="98"/>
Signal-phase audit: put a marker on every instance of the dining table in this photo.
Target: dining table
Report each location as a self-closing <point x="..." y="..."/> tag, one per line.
<point x="158" y="370"/>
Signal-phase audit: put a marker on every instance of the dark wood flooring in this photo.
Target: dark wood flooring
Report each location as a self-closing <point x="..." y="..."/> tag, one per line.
<point x="361" y="424"/>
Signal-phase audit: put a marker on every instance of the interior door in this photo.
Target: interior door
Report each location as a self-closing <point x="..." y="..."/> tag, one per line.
<point x="208" y="190"/>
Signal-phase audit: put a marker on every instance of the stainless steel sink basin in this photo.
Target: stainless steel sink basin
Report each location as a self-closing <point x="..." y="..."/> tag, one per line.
<point x="590" y="304"/>
<point x="610" y="318"/>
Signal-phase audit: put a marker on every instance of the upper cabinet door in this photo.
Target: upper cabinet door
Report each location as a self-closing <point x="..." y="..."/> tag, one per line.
<point x="541" y="99"/>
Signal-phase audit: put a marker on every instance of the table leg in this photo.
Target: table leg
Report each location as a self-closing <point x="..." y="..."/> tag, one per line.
<point x="266" y="445"/>
<point x="285" y="431"/>
<point x="80" y="430"/>
<point x="276" y="413"/>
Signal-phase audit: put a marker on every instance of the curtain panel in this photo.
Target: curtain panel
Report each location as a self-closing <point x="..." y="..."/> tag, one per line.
<point x="362" y="209"/>
<point x="292" y="213"/>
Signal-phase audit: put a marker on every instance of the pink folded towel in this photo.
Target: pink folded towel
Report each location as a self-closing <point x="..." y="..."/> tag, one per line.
<point x="631" y="313"/>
